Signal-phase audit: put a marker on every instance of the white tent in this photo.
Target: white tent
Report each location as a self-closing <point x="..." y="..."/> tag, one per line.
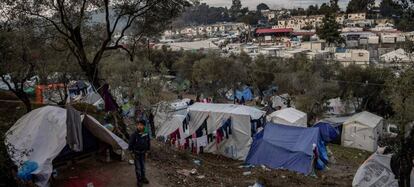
<point x="171" y="124"/>
<point x="362" y="131"/>
<point x="166" y="110"/>
<point x="40" y="136"/>
<point x="289" y="116"/>
<point x="280" y="101"/>
<point x="238" y="144"/>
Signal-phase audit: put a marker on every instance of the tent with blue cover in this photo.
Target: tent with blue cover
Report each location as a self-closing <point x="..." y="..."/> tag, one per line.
<point x="327" y="131"/>
<point x="246" y="93"/>
<point x="288" y="147"/>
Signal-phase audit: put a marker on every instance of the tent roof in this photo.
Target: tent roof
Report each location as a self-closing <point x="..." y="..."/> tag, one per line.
<point x="288" y="147"/>
<point x="365" y="118"/>
<point x="254" y="113"/>
<point x="289" y="114"/>
<point x="336" y="120"/>
<point x="291" y="138"/>
<point x="170" y="125"/>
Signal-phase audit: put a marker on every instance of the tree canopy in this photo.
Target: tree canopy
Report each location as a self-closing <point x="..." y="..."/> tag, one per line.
<point x="330" y="30"/>
<point x="262" y="6"/>
<point x="358" y="6"/>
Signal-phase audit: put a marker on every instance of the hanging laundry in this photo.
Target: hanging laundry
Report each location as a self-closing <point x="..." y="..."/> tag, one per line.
<point x="174" y="137"/>
<point x="219" y="135"/>
<point x="201" y="143"/>
<point x="227" y="128"/>
<point x="210" y="138"/>
<point x="199" y="131"/>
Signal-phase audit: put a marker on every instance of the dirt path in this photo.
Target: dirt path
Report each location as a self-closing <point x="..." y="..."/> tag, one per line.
<point x="126" y="176"/>
<point x="115" y="174"/>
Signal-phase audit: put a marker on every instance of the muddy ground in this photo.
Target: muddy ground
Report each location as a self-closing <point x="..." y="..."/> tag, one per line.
<point x="165" y="163"/>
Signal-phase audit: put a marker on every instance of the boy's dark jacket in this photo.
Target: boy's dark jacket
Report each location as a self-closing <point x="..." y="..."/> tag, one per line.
<point x="139" y="143"/>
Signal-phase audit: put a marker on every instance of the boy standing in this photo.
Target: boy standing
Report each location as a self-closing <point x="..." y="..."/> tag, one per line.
<point x="139" y="144"/>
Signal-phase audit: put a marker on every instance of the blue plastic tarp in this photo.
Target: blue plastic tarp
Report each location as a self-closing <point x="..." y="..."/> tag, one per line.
<point x="246" y="93"/>
<point x="327" y="131"/>
<point x="285" y="147"/>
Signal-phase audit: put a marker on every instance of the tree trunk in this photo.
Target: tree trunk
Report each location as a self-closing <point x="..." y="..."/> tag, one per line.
<point x="25" y="99"/>
<point x="92" y="72"/>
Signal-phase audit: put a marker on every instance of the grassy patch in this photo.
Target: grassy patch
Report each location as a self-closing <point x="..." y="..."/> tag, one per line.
<point x="349" y="155"/>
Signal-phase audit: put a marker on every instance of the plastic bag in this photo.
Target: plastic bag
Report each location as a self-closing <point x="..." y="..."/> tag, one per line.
<point x="25" y="172"/>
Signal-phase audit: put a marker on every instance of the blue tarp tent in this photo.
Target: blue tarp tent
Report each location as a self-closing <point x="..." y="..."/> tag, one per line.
<point x="327" y="131"/>
<point x="246" y="93"/>
<point x="287" y="147"/>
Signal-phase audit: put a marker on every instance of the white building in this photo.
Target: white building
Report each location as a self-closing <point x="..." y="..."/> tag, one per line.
<point x="357" y="16"/>
<point x="353" y="56"/>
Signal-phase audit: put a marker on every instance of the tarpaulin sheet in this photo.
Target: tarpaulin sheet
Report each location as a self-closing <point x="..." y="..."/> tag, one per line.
<point x="328" y="133"/>
<point x="285" y="147"/>
<point x="40" y="136"/>
<point x="375" y="172"/>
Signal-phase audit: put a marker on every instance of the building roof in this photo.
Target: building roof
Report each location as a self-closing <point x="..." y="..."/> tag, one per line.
<point x="195" y="45"/>
<point x="365" y="118"/>
<point x="270" y="31"/>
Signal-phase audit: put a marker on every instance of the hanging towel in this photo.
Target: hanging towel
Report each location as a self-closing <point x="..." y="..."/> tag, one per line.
<point x="74" y="129"/>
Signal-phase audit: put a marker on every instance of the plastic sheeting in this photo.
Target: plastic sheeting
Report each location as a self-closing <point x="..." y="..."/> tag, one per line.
<point x="238" y="143"/>
<point x="289" y="116"/>
<point x="40" y="136"/>
<point x="284" y="147"/>
<point x="328" y="132"/>
<point x="171" y="124"/>
<point x="375" y="172"/>
<point x="246" y="93"/>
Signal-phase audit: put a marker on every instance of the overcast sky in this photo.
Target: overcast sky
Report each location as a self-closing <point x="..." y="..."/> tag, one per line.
<point x="274" y="4"/>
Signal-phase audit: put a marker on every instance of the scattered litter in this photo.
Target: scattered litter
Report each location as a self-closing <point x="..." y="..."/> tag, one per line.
<point x="283" y="176"/>
<point x="256" y="185"/>
<point x="193" y="171"/>
<point x="201" y="177"/>
<point x="25" y="171"/>
<point x="265" y="168"/>
<point x="187" y="172"/>
<point x="131" y="162"/>
<point x="247" y="173"/>
<point x="89" y="185"/>
<point x="197" y="162"/>
<point x="246" y="166"/>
